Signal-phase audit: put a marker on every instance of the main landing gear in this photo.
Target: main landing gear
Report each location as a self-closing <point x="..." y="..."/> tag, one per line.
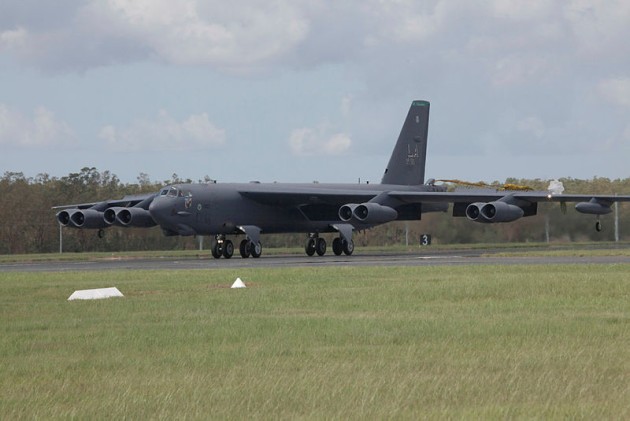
<point x="315" y="244"/>
<point x="225" y="248"/>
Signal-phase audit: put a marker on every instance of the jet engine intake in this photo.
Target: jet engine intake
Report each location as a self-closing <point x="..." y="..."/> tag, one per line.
<point x="473" y="212"/>
<point x="367" y="213"/>
<point x="493" y="212"/>
<point x="129" y="217"/>
<point x="63" y="217"/>
<point x="81" y="218"/>
<point x="346" y="211"/>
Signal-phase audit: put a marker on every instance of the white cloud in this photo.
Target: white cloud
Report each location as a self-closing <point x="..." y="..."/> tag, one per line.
<point x="42" y="130"/>
<point x="165" y="134"/>
<point x="346" y="105"/>
<point x="312" y="142"/>
<point x="532" y="125"/>
<point x="615" y="91"/>
<point x="13" y="38"/>
<point x="522" y="9"/>
<point x="523" y="68"/>
<point x="600" y="27"/>
<point x="238" y="36"/>
<point x="249" y="36"/>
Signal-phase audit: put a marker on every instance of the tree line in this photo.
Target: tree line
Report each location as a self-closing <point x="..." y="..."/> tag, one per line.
<point x="28" y="223"/>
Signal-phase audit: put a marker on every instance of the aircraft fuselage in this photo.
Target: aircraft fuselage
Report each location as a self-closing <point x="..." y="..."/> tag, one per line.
<point x="211" y="209"/>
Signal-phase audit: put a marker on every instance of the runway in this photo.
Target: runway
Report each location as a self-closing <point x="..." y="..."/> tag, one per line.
<point x="440" y="258"/>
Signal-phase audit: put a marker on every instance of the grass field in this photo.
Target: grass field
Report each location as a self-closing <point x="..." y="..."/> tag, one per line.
<point x="346" y="343"/>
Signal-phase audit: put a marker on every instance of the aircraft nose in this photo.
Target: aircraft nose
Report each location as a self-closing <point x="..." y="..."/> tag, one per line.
<point x="158" y="209"/>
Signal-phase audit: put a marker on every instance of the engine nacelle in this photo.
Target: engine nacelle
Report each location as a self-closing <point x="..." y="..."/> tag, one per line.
<point x="373" y="213"/>
<point x="501" y="212"/>
<point x="593" y="208"/>
<point x="493" y="212"/>
<point x="81" y="218"/>
<point x="129" y="217"/>
<point x="367" y="213"/>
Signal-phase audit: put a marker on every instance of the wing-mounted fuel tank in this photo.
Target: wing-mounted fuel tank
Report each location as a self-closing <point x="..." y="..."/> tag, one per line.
<point x="594" y="207"/>
<point x="129" y="217"/>
<point x="506" y="209"/>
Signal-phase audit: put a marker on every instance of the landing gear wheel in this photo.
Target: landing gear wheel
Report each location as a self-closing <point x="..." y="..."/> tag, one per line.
<point x="217" y="250"/>
<point x="320" y="246"/>
<point x="347" y="246"/>
<point x="309" y="248"/>
<point x="228" y="249"/>
<point x="337" y="246"/>
<point x="245" y="249"/>
<point x="598" y="226"/>
<point x="256" y="249"/>
<point x="101" y="233"/>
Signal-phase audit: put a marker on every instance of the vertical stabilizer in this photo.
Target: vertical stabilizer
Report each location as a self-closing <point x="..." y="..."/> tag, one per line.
<point x="406" y="165"/>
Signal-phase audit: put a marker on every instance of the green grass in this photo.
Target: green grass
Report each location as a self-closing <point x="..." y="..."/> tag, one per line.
<point x="319" y="343"/>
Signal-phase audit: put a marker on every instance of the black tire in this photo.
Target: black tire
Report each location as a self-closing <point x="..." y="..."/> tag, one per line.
<point x="309" y="248"/>
<point x="337" y="246"/>
<point x="255" y="250"/>
<point x="320" y="246"/>
<point x="228" y="249"/>
<point x="598" y="226"/>
<point x="101" y="233"/>
<point x="245" y="249"/>
<point x="217" y="250"/>
<point x="348" y="247"/>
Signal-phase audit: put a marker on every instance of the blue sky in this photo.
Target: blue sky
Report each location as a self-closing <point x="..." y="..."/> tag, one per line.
<point x="302" y="91"/>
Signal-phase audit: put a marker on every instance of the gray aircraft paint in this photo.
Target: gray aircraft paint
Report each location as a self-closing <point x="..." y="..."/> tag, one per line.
<point x="406" y="165"/>
<point x="249" y="209"/>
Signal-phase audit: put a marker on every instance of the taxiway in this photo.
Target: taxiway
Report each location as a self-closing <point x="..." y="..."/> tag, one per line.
<point x="443" y="258"/>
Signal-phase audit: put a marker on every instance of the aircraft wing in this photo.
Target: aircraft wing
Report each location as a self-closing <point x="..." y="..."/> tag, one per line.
<point x="313" y="196"/>
<point x="128" y="211"/>
<point x="127" y="201"/>
<point x="493" y="195"/>
<point x="506" y="206"/>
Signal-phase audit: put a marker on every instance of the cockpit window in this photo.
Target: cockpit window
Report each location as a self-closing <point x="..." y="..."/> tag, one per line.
<point x="172" y="192"/>
<point x="163" y="192"/>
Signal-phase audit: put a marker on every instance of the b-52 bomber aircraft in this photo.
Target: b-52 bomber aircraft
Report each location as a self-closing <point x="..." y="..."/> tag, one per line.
<point x="249" y="209"/>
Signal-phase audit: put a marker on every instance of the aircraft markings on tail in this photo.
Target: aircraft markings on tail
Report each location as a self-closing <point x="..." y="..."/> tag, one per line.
<point x="225" y="210"/>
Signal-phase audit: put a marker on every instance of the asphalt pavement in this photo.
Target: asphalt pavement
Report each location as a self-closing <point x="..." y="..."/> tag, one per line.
<point x="441" y="258"/>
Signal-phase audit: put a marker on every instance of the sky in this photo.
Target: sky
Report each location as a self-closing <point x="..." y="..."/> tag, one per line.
<point x="301" y="91"/>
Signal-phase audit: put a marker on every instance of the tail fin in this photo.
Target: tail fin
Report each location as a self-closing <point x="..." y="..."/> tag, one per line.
<point x="406" y="165"/>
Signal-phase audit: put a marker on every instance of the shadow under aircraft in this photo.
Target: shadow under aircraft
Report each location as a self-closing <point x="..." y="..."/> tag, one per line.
<point x="247" y="210"/>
